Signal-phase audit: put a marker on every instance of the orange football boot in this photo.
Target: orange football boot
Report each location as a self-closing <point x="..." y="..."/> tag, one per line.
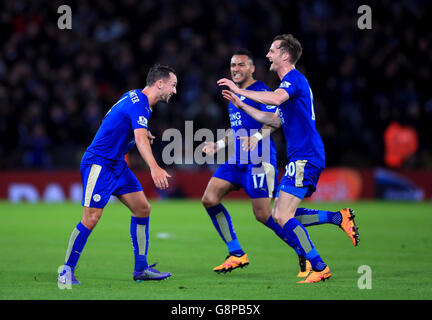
<point x="305" y="267"/>
<point x="348" y="225"/>
<point x="231" y="263"/>
<point x="317" y="276"/>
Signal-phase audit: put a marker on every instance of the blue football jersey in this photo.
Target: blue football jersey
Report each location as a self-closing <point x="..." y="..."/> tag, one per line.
<point x="244" y="125"/>
<point x="298" y="121"/>
<point x="115" y="136"/>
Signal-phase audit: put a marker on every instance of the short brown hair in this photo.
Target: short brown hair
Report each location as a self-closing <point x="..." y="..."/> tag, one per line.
<point x="158" y="72"/>
<point x="291" y="45"/>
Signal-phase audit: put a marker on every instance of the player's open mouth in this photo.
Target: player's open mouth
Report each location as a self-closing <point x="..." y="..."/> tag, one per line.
<point x="271" y="63"/>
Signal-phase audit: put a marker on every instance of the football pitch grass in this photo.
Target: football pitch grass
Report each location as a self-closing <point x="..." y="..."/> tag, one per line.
<point x="395" y="242"/>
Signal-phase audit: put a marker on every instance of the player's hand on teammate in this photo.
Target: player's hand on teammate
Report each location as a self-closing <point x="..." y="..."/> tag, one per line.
<point x="160" y="177"/>
<point x="150" y="137"/>
<point x="228" y="83"/>
<point x="230" y="96"/>
<point x="210" y="148"/>
<point x="248" y="143"/>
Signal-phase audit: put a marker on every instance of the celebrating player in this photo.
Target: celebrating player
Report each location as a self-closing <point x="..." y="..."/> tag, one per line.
<point x="257" y="175"/>
<point x="105" y="172"/>
<point x="305" y="149"/>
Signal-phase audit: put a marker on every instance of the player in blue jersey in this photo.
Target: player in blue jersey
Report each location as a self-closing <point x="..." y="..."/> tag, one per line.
<point x="305" y="149"/>
<point x="242" y="171"/>
<point x="104" y="172"/>
<point x="255" y="172"/>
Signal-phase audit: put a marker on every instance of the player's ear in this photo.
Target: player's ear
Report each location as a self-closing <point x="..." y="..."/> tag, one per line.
<point x="159" y="84"/>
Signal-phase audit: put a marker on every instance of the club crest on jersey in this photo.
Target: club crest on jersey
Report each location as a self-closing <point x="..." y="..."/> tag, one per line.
<point x="142" y="121"/>
<point x="285" y="84"/>
<point x="242" y="98"/>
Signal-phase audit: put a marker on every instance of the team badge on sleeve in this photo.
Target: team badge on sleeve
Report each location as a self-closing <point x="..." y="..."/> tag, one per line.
<point x="285" y="84"/>
<point x="142" y="121"/>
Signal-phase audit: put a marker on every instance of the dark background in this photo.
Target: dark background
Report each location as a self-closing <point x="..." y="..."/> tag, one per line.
<point x="56" y="85"/>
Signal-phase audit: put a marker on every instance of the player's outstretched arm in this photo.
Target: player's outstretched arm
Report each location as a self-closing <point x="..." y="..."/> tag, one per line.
<point x="159" y="175"/>
<point x="267" y="118"/>
<point x="274" y="98"/>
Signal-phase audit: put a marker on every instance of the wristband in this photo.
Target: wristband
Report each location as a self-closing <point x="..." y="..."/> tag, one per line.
<point x="258" y="136"/>
<point x="220" y="144"/>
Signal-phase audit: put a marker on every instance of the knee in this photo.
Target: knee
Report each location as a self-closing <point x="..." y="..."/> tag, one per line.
<point x="279" y="218"/>
<point x="262" y="215"/>
<point x="209" y="200"/>
<point x="282" y="217"/>
<point x="91" y="218"/>
<point x="143" y="210"/>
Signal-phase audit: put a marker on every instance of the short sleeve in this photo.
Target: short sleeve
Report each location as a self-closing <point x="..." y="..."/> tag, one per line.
<point x="268" y="108"/>
<point x="289" y="86"/>
<point x="139" y="116"/>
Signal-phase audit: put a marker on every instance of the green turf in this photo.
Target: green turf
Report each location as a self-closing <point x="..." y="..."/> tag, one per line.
<point x="395" y="242"/>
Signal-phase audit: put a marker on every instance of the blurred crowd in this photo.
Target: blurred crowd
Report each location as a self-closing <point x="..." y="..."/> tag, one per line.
<point x="56" y="85"/>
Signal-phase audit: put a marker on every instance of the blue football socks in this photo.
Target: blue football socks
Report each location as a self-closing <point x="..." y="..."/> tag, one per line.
<point x="76" y="245"/>
<point x="139" y="231"/>
<point x="272" y="224"/>
<point x="223" y="224"/>
<point x="311" y="217"/>
<point x="281" y="233"/>
<point x="299" y="239"/>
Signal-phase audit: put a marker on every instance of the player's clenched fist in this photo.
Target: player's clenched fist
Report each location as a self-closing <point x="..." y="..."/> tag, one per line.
<point x="160" y="177"/>
<point x="210" y="148"/>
